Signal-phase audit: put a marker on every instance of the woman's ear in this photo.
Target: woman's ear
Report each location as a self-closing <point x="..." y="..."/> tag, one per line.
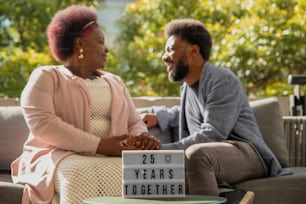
<point x="78" y="48"/>
<point x="78" y="44"/>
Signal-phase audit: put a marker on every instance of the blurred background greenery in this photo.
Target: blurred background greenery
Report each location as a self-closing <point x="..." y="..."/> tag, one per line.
<point x="262" y="41"/>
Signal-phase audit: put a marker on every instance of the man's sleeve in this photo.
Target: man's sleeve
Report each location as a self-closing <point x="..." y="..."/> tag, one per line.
<point x="167" y="117"/>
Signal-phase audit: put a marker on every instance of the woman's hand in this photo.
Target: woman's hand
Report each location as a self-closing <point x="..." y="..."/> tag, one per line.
<point x="150" y="119"/>
<point x="113" y="146"/>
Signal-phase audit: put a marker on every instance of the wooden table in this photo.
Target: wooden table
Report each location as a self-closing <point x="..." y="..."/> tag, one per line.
<point x="188" y="199"/>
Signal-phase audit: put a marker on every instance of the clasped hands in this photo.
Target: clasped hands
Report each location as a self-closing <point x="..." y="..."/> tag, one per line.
<point x="144" y="141"/>
<point x="113" y="146"/>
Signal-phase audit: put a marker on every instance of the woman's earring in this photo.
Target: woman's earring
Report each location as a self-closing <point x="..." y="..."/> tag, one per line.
<point x="81" y="55"/>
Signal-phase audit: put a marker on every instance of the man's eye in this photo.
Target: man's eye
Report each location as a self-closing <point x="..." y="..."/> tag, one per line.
<point x="172" y="50"/>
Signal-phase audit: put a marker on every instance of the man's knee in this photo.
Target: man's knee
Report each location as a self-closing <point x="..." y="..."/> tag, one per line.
<point x="200" y="174"/>
<point x="197" y="155"/>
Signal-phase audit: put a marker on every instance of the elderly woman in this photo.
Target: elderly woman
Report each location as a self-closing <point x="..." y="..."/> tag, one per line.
<point x="75" y="112"/>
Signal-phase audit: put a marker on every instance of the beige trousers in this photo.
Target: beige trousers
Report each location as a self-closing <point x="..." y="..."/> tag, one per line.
<point x="229" y="161"/>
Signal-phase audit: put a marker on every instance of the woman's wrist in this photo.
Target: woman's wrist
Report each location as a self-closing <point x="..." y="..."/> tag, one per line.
<point x="100" y="148"/>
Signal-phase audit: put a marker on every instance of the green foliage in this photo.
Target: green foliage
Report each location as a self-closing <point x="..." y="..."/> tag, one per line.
<point x="261" y="41"/>
<point x="16" y="66"/>
<point x="24" y="22"/>
<point x="23" y="40"/>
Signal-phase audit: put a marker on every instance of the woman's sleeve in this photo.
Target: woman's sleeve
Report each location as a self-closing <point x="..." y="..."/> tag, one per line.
<point x="37" y="102"/>
<point x="136" y="126"/>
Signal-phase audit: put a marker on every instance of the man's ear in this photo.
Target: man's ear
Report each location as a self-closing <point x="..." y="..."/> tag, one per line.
<point x="195" y="55"/>
<point x="195" y="49"/>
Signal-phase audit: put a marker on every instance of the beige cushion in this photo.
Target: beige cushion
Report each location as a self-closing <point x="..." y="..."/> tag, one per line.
<point x="270" y="121"/>
<point x="149" y="101"/>
<point x="13" y="134"/>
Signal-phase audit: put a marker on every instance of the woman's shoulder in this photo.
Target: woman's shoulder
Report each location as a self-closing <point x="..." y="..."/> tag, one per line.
<point x="53" y="70"/>
<point x="112" y="76"/>
<point x="109" y="74"/>
<point x="46" y="68"/>
<point x="45" y="72"/>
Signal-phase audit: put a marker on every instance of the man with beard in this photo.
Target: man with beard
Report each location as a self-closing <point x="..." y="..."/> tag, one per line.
<point x="217" y="127"/>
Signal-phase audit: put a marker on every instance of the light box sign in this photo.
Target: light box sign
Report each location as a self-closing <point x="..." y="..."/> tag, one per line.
<point x="153" y="173"/>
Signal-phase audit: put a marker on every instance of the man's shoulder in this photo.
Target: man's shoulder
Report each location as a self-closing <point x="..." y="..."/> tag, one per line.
<point x="215" y="68"/>
<point x="217" y="72"/>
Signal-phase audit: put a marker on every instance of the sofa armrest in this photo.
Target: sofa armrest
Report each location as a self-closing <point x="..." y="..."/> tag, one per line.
<point x="295" y="132"/>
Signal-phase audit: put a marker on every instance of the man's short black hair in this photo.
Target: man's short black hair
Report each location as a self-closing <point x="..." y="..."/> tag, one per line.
<point x="193" y="32"/>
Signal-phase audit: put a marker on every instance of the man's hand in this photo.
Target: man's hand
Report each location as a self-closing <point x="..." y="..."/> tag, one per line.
<point x="150" y="119"/>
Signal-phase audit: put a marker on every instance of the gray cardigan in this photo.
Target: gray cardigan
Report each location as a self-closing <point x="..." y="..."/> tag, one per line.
<point x="226" y="115"/>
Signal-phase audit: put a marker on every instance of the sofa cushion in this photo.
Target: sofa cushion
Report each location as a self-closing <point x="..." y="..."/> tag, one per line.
<point x="270" y="122"/>
<point x="10" y="193"/>
<point x="281" y="189"/>
<point x="5" y="176"/>
<point x="13" y="135"/>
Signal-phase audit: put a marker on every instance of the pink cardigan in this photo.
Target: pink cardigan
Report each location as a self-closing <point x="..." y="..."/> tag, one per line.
<point x="57" y="106"/>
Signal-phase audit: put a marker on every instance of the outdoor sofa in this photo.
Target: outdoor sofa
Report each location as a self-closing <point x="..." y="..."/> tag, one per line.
<point x="285" y="135"/>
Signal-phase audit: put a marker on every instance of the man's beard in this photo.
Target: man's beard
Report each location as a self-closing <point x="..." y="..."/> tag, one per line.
<point x="181" y="69"/>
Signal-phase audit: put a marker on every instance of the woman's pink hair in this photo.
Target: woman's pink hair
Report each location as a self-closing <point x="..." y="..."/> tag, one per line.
<point x="65" y="26"/>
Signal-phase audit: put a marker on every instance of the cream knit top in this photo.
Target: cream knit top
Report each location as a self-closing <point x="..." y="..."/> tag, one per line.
<point x="101" y="103"/>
